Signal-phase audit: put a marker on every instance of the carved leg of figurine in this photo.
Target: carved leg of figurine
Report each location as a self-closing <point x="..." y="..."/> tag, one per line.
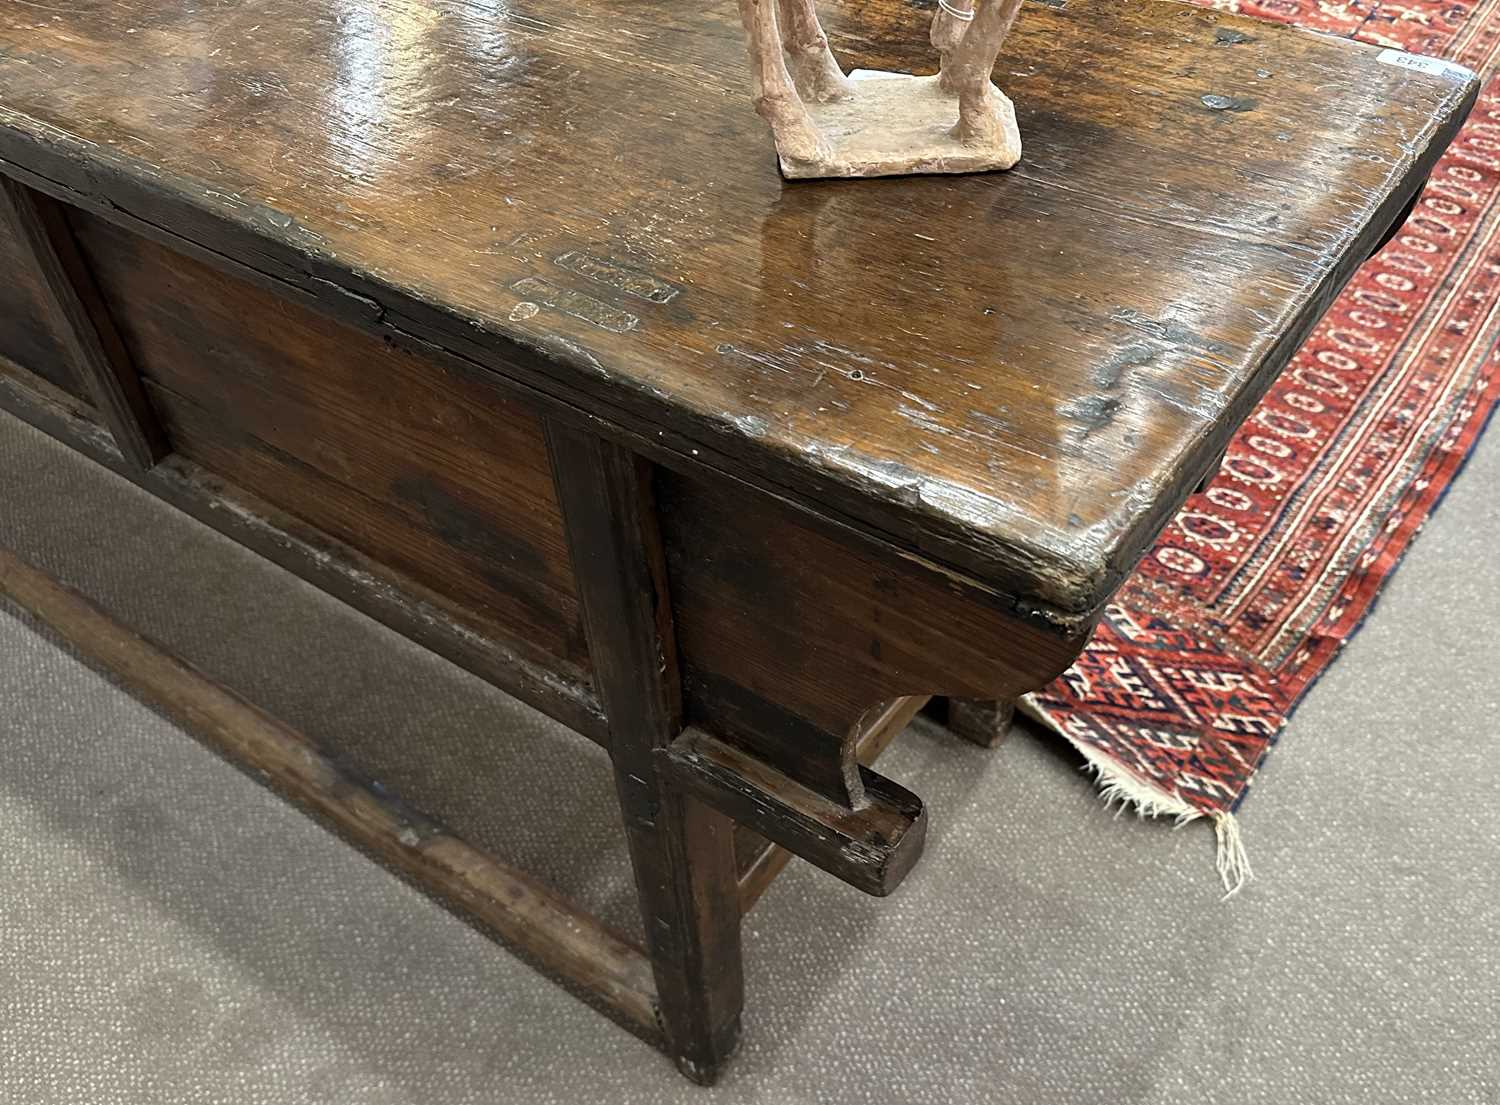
<point x="775" y="96"/>
<point x="984" y="721"/>
<point x="814" y="71"/>
<point x="983" y="110"/>
<point x="949" y="26"/>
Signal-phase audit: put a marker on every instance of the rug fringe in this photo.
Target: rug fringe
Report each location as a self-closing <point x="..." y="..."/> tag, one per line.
<point x="1233" y="863"/>
<point x="1119" y="788"/>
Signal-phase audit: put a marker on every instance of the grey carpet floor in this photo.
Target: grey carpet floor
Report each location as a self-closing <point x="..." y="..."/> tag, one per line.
<point x="170" y="932"/>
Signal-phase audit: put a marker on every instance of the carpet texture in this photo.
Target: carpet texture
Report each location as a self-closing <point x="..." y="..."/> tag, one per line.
<point x="1258" y="583"/>
<point x="170" y="932"/>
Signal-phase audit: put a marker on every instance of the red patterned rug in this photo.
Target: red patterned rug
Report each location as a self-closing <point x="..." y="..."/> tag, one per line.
<point x="1255" y="587"/>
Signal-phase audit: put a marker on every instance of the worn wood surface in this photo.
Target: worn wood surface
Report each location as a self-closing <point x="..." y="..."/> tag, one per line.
<point x="434" y="620"/>
<point x="1196" y="188"/>
<point x="871" y="847"/>
<point x="681" y="849"/>
<point x="791" y="637"/>
<point x="542" y="926"/>
<point x="30" y="331"/>
<point x="425" y="470"/>
<point x="759" y="860"/>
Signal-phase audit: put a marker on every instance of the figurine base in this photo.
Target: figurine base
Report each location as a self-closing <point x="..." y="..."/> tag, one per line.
<point x="897" y="124"/>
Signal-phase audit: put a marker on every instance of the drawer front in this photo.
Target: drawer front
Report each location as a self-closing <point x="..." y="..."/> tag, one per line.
<point x="427" y="469"/>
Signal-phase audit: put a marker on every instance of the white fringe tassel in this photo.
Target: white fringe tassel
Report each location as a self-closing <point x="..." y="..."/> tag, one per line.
<point x="1233" y="863"/>
<point x="1118" y="787"/>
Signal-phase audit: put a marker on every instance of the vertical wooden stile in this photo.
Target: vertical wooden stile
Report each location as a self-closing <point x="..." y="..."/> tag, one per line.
<point x="682" y="852"/>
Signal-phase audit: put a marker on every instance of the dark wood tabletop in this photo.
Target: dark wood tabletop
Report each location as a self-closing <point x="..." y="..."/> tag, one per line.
<point x="1019" y="375"/>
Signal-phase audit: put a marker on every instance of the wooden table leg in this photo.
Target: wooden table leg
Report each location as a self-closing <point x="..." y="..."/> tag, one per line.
<point x="984" y="721"/>
<point x="682" y="851"/>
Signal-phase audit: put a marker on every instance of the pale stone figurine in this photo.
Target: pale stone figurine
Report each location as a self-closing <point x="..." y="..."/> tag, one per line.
<point x="882" y="124"/>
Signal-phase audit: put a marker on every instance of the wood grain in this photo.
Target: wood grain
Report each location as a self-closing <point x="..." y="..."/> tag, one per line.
<point x="426" y="471"/>
<point x="759" y="860"/>
<point x="791" y="638"/>
<point x="1030" y="411"/>
<point x="433" y="620"/>
<point x="682" y="850"/>
<point x="30" y="331"/>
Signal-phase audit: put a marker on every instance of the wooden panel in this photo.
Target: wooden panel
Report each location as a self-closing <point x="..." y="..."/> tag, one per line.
<point x="417" y="612"/>
<point x="94" y="347"/>
<point x="792" y="637"/>
<point x="1018" y="374"/>
<point x="425" y="470"/>
<point x="758" y="860"/>
<point x="29" y="327"/>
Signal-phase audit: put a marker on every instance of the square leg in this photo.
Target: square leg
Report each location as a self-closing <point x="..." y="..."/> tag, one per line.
<point x="982" y="721"/>
<point x="681" y="850"/>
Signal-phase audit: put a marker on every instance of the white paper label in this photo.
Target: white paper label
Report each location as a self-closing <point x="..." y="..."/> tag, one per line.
<point x="1437" y="67"/>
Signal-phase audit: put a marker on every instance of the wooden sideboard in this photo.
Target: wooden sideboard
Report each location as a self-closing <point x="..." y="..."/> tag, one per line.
<point x="560" y="379"/>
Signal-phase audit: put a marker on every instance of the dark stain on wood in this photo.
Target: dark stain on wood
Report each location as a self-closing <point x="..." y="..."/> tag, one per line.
<point x="681" y="849"/>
